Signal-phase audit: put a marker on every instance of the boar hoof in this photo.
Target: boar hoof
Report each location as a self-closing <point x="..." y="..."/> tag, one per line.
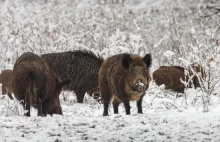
<point x="42" y="115"/>
<point x="105" y="114"/>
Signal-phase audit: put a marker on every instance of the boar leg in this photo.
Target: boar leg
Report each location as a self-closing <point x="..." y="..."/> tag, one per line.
<point x="82" y="87"/>
<point x="44" y="108"/>
<point x="27" y="107"/>
<point x="40" y="110"/>
<point x="10" y="96"/>
<point x="80" y="96"/>
<point x="4" y="90"/>
<point x="105" y="113"/>
<point x="127" y="107"/>
<point x="115" y="106"/>
<point x="139" y="104"/>
<point x="106" y="97"/>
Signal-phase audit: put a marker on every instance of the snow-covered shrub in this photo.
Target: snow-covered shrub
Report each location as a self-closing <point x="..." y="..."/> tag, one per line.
<point x="10" y="107"/>
<point x="208" y="59"/>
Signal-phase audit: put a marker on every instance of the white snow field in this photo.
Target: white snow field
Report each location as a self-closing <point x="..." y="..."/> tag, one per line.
<point x="164" y="119"/>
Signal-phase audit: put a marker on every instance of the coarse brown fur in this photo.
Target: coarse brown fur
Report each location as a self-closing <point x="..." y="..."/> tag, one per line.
<point x="170" y="76"/>
<point x="118" y="77"/>
<point x="80" y="66"/>
<point x="36" y="84"/>
<point x="6" y="81"/>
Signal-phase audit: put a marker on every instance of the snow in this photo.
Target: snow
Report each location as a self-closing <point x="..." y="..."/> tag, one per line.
<point x="161" y="121"/>
<point x="185" y="62"/>
<point x="140" y="83"/>
<point x="169" y="54"/>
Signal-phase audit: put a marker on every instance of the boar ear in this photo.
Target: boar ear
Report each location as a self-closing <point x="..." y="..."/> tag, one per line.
<point x="126" y="61"/>
<point x="147" y="60"/>
<point x="63" y="83"/>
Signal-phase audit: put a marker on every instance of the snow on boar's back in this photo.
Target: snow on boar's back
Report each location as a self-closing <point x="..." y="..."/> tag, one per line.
<point x="125" y="77"/>
<point x="36" y="84"/>
<point x="6" y="81"/>
<point x="80" y="66"/>
<point x="170" y="76"/>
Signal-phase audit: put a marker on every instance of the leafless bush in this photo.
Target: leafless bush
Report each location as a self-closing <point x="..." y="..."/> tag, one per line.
<point x="11" y="107"/>
<point x="208" y="59"/>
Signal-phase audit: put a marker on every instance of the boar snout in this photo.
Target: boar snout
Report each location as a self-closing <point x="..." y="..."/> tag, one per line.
<point x="140" y="86"/>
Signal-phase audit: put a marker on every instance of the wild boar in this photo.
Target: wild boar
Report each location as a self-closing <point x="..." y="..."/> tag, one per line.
<point x="80" y="66"/>
<point x="125" y="77"/>
<point x="170" y="76"/>
<point x="6" y="81"/>
<point x="35" y="83"/>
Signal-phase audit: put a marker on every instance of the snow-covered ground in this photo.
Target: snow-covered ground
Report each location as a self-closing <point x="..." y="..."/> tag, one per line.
<point x="165" y="118"/>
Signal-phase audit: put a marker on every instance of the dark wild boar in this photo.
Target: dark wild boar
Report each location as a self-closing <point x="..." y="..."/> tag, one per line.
<point x="36" y="84"/>
<point x="6" y="81"/>
<point x="170" y="77"/>
<point x="80" y="66"/>
<point x="125" y="77"/>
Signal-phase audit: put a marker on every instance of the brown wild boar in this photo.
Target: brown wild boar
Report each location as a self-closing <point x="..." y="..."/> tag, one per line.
<point x="80" y="66"/>
<point x="125" y="77"/>
<point x="6" y="81"/>
<point x="170" y="77"/>
<point x="36" y="84"/>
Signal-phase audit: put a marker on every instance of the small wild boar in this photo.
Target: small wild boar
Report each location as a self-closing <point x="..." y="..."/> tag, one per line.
<point x="125" y="77"/>
<point x="6" y="81"/>
<point x="80" y="66"/>
<point x="36" y="84"/>
<point x="170" y="77"/>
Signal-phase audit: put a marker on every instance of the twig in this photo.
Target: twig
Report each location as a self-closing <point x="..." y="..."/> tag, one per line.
<point x="172" y="105"/>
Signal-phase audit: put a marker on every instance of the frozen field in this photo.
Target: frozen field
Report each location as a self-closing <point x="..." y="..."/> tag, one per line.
<point x="164" y="119"/>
